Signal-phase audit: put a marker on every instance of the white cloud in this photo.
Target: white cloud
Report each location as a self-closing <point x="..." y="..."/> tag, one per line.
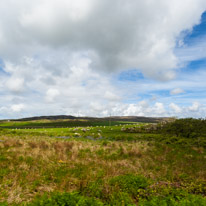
<point x="51" y="94"/>
<point x="175" y="108"/>
<point x="159" y="108"/>
<point x="195" y="107"/>
<point x="132" y="34"/>
<point x="111" y="96"/>
<point x="176" y="91"/>
<point x="17" y="107"/>
<point x="15" y="84"/>
<point x="142" y="108"/>
<point x="97" y="107"/>
<point x="143" y="104"/>
<point x="64" y="52"/>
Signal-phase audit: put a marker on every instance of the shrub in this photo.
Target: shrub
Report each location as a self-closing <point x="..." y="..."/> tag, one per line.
<point x="190" y="200"/>
<point x="65" y="199"/>
<point x="3" y="204"/>
<point x="121" y="198"/>
<point x="95" y="189"/>
<point x="188" y="128"/>
<point x="129" y="183"/>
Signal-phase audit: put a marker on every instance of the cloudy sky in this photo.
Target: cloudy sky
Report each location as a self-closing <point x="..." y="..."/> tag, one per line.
<point x="97" y="57"/>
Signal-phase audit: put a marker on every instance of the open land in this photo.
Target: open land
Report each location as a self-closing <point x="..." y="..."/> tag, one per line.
<point x="102" y="162"/>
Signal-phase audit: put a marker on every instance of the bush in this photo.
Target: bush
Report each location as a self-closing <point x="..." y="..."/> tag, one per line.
<point x="190" y="200"/>
<point x="95" y="189"/>
<point x="65" y="199"/>
<point x="3" y="204"/>
<point x="121" y="198"/>
<point x="188" y="128"/>
<point x="129" y="183"/>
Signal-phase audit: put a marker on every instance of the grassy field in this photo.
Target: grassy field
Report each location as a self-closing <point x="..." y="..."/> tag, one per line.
<point x="92" y="163"/>
<point x="59" y="123"/>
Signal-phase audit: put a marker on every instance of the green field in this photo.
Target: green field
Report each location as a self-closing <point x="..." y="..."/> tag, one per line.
<point x="74" y="162"/>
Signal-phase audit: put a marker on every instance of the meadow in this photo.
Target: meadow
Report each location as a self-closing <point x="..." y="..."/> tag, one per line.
<point x="80" y="162"/>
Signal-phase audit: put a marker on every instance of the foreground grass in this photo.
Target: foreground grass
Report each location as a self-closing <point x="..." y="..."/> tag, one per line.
<point x="122" y="168"/>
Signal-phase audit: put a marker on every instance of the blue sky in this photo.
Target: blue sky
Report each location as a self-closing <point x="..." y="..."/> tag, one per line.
<point x="198" y="31"/>
<point x="144" y="58"/>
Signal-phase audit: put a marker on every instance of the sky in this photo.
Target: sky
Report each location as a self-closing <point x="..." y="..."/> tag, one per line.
<point x="97" y="58"/>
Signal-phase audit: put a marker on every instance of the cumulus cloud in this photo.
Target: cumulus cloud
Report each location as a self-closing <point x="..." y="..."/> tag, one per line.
<point x="143" y="104"/>
<point x="142" y="108"/>
<point x="51" y="94"/>
<point x="111" y="96"/>
<point x="159" y="108"/>
<point x="15" y="84"/>
<point x="175" y="108"/>
<point x="195" y="107"/>
<point x="121" y="35"/>
<point x="97" y="107"/>
<point x="17" y="107"/>
<point x="63" y="53"/>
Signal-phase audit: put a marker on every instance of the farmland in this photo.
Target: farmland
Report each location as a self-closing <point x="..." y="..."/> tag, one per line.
<point x="93" y="162"/>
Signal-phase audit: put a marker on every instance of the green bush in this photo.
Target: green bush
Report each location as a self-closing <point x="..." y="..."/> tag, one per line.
<point x="129" y="183"/>
<point x="120" y="198"/>
<point x="190" y="200"/>
<point x="3" y="204"/>
<point x="95" y="189"/>
<point x="188" y="128"/>
<point x="65" y="199"/>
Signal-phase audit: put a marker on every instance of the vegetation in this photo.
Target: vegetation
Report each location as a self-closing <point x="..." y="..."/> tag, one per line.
<point x="127" y="164"/>
<point x="188" y="128"/>
<point x="66" y="199"/>
<point x="58" y="123"/>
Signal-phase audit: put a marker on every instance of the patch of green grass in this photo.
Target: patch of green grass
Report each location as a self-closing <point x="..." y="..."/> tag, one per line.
<point x="120" y="198"/>
<point x="189" y="200"/>
<point x="3" y="157"/>
<point x="95" y="189"/>
<point x="3" y="204"/>
<point x="60" y="123"/>
<point x="65" y="199"/>
<point x="4" y="171"/>
<point x="129" y="183"/>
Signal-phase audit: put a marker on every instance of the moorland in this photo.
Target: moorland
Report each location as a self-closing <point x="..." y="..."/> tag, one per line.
<point x="112" y="161"/>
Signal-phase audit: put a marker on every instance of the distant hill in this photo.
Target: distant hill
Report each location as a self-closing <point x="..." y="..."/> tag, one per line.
<point x="56" y="117"/>
<point x="112" y="118"/>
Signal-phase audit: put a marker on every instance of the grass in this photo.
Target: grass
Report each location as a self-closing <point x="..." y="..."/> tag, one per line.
<point x="55" y="166"/>
<point x="59" y="123"/>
